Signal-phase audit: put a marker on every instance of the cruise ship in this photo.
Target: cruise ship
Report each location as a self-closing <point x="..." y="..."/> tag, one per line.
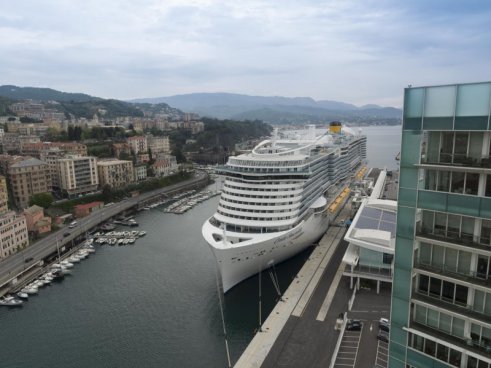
<point x="278" y="199"/>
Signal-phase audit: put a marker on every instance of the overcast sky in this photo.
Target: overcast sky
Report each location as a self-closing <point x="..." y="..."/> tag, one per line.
<point x="353" y="51"/>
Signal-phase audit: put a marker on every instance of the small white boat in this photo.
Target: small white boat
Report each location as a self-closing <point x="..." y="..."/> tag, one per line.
<point x="10" y="301"/>
<point x="89" y="249"/>
<point x="74" y="259"/>
<point x="66" y="264"/>
<point x="58" y="274"/>
<point x="22" y="295"/>
<point x="32" y="286"/>
<point x="82" y="254"/>
<point x="131" y="240"/>
<point x="30" y="290"/>
<point x="142" y="233"/>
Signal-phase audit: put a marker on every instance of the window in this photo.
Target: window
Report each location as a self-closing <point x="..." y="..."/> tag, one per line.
<point x="387" y="258"/>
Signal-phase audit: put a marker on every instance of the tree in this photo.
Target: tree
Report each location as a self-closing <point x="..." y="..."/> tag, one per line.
<point x="41" y="199"/>
<point x="107" y="192"/>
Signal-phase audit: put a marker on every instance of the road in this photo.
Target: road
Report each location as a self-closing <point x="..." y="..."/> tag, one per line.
<point x="15" y="264"/>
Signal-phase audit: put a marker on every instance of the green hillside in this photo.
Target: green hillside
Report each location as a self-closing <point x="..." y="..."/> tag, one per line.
<point x="79" y="105"/>
<point x="87" y="109"/>
<point x="42" y="94"/>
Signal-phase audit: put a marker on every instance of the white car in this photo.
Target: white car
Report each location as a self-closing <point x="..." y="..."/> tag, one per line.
<point x="72" y="224"/>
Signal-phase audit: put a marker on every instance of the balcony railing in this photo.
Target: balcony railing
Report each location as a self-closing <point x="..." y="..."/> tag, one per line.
<point x="448" y="304"/>
<point x="467" y="276"/>
<point x="466" y="240"/>
<point x="370" y="270"/>
<point x="473" y="344"/>
<point x="448" y="159"/>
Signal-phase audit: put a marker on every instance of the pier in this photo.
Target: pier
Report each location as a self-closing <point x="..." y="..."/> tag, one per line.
<point x="300" y="330"/>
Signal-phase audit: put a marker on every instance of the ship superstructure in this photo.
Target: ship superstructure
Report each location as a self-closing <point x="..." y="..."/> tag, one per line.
<point x="275" y="200"/>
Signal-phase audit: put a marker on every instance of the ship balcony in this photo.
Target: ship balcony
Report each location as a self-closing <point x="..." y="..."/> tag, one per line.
<point x="255" y="223"/>
<point x="261" y="199"/>
<point x="221" y="170"/>
<point x="262" y="193"/>
<point x="273" y="216"/>
<point x="259" y="208"/>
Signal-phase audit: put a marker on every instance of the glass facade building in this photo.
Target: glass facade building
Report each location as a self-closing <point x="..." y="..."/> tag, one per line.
<point x="441" y="296"/>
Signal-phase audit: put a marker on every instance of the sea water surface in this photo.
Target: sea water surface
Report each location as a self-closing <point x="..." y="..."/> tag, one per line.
<point x="152" y="304"/>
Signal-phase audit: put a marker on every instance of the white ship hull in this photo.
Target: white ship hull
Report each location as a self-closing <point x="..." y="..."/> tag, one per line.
<point x="240" y="261"/>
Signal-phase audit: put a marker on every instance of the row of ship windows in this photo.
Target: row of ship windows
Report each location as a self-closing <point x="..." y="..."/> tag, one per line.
<point x="257" y="196"/>
<point x="249" y="229"/>
<point x="235" y="161"/>
<point x="256" y="218"/>
<point x="264" y="183"/>
<point x="261" y="189"/>
<point x="254" y="211"/>
<point x="257" y="203"/>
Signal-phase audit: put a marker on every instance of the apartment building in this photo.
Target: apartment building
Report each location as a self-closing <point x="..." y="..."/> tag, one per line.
<point x="140" y="172"/>
<point x="28" y="177"/>
<point x="4" y="195"/>
<point x="115" y="173"/>
<point x="69" y="148"/>
<point x="441" y="296"/>
<point x="78" y="174"/>
<point x="121" y="148"/>
<point x="13" y="233"/>
<point x="51" y="157"/>
<point x="158" y="144"/>
<point x="138" y="144"/>
<point x="165" y="165"/>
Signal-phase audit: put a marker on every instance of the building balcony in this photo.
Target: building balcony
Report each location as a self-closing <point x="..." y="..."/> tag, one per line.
<point x="463" y="309"/>
<point x="471" y="277"/>
<point x="447" y="159"/>
<point x="463" y="240"/>
<point x="370" y="272"/>
<point x="472" y="344"/>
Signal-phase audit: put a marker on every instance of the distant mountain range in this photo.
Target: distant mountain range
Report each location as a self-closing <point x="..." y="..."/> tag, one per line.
<point x="277" y="109"/>
<point x="80" y="104"/>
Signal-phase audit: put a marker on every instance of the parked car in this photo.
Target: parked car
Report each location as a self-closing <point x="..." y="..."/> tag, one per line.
<point x="28" y="259"/>
<point x="383" y="336"/>
<point x="354" y="325"/>
<point x="72" y="224"/>
<point x="384" y="324"/>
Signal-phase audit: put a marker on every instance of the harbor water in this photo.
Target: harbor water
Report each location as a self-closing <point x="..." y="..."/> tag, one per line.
<point x="154" y="303"/>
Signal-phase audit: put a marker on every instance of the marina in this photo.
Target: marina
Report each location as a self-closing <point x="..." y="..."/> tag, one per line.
<point x="170" y="277"/>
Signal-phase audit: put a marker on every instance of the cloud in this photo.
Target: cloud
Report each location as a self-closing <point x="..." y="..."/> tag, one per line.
<point x="359" y="52"/>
